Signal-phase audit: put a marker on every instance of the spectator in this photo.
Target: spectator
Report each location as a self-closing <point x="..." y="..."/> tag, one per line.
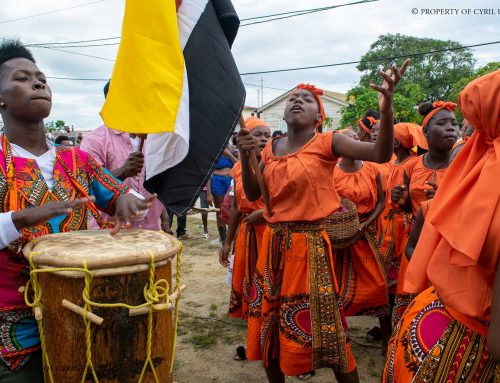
<point x="121" y="153"/>
<point x="63" y="141"/>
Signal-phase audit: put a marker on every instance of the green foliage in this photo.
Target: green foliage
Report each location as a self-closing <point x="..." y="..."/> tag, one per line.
<point x="364" y="98"/>
<point x="435" y="73"/>
<point x="54" y="126"/>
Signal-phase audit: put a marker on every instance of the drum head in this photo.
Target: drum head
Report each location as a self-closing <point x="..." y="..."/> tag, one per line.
<point x="101" y="250"/>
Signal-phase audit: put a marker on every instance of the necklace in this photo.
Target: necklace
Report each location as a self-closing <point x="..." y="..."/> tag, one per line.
<point x="439" y="166"/>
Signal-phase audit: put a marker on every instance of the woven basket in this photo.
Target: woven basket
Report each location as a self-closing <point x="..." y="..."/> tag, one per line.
<point x="343" y="226"/>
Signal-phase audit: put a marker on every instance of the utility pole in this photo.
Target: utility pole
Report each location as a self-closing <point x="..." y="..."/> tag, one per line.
<point x="262" y="91"/>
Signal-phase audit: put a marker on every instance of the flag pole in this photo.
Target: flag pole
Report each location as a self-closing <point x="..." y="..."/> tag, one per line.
<point x="258" y="173"/>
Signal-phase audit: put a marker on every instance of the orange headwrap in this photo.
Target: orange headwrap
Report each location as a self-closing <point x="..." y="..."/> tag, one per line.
<point x="372" y="121"/>
<point x="438" y="105"/>
<point x="410" y="135"/>
<point x="252" y="122"/>
<point x="463" y="210"/>
<point x="316" y="93"/>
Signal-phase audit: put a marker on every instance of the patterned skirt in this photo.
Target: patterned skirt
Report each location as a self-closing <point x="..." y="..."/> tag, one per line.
<point x="396" y="226"/>
<point x="433" y="343"/>
<point x="360" y="272"/>
<point x="295" y="314"/>
<point x="403" y="299"/>
<point x="246" y="249"/>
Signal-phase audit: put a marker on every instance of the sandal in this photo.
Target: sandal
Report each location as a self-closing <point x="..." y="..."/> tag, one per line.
<point x="306" y="375"/>
<point x="240" y="354"/>
<point x="374" y="335"/>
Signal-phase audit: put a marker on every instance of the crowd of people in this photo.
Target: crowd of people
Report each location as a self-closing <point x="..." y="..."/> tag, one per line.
<point x="424" y="258"/>
<point x="413" y="239"/>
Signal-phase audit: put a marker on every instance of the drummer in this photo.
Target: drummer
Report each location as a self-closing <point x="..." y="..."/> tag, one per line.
<point x="43" y="189"/>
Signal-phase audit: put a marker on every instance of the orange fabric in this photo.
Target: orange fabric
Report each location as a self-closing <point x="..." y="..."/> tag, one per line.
<point x="252" y="122"/>
<point x="239" y="297"/>
<point x="316" y="93"/>
<point x="360" y="187"/>
<point x="363" y="288"/>
<point x="295" y="352"/>
<point x="438" y="105"/>
<point x="372" y="122"/>
<point x="244" y="205"/>
<point x="410" y="135"/>
<point x="298" y="183"/>
<point x="435" y="343"/>
<point x="419" y="175"/>
<point x="395" y="227"/>
<point x="385" y="170"/>
<point x="462" y="239"/>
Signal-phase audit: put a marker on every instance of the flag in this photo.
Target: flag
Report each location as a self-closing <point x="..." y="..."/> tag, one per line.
<point x="209" y="108"/>
<point x="148" y="76"/>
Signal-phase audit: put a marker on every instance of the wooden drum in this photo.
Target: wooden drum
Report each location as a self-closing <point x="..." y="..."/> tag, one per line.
<point x="120" y="268"/>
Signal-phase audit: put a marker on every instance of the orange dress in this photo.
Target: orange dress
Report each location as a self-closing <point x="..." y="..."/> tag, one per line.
<point x="418" y="174"/>
<point x="396" y="225"/>
<point x="297" y="315"/>
<point x="246" y="248"/>
<point x="359" y="268"/>
<point x="442" y="335"/>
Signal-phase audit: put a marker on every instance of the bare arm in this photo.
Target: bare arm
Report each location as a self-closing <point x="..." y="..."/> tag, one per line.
<point x="250" y="184"/>
<point x="414" y="235"/>
<point x="380" y="206"/>
<point x="234" y="220"/>
<point x="494" y="330"/>
<point x="380" y="151"/>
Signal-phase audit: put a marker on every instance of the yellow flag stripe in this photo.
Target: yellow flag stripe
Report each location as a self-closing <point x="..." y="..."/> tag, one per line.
<point x="147" y="80"/>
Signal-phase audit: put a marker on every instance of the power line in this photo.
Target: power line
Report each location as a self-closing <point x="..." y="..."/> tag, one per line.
<point x="70" y="46"/>
<point x="272" y="17"/>
<point x="74" y="53"/>
<point x="49" y="12"/>
<point x="371" y="60"/>
<point x="305" y="12"/>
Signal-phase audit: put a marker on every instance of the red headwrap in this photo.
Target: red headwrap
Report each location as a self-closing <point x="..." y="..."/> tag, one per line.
<point x="410" y="135"/>
<point x="438" y="105"/>
<point x="252" y="122"/>
<point x="372" y="121"/>
<point x="316" y="93"/>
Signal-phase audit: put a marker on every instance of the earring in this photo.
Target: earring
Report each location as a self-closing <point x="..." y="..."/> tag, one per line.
<point x="2" y="104"/>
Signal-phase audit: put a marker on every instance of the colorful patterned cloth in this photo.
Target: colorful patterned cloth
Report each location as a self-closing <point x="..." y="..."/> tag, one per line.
<point x="22" y="186"/>
<point x="295" y="314"/>
<point x="433" y="343"/>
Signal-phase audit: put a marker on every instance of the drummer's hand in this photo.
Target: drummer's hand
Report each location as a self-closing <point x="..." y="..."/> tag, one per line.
<point x="255" y="218"/>
<point x="224" y="254"/>
<point x="34" y="216"/>
<point x="128" y="207"/>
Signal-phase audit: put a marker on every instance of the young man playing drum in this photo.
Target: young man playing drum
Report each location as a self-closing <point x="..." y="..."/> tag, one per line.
<point x="43" y="189"/>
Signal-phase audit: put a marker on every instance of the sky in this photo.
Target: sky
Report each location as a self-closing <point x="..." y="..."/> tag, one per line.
<point x="336" y="35"/>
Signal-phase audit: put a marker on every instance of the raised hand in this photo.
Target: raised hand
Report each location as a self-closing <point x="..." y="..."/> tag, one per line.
<point x="128" y="208"/>
<point x="132" y="166"/>
<point x="37" y="215"/>
<point x="386" y="90"/>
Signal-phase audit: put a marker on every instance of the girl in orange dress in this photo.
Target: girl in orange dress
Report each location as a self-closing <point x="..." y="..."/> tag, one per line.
<point x="442" y="336"/>
<point x="423" y="174"/>
<point x="360" y="268"/>
<point x="246" y="227"/>
<point x="364" y="125"/>
<point x="302" y="326"/>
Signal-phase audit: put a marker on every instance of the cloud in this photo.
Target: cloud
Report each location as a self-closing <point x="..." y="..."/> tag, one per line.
<point x="337" y="35"/>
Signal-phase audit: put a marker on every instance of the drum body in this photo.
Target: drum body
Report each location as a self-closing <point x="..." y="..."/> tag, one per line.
<point x="119" y="344"/>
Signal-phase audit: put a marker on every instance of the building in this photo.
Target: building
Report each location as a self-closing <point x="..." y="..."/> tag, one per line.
<point x="272" y="112"/>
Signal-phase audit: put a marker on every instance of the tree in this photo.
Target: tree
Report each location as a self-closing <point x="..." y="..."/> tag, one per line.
<point x="54" y="126"/>
<point x="435" y="72"/>
<point x="362" y="98"/>
<point x="462" y="83"/>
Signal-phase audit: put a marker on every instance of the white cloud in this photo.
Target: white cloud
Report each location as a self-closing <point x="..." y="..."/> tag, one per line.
<point x="337" y="35"/>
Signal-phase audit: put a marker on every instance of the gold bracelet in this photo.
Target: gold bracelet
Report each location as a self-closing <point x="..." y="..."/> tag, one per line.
<point x="497" y="374"/>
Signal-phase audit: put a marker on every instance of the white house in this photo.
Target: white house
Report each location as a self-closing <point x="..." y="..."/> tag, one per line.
<point x="272" y="112"/>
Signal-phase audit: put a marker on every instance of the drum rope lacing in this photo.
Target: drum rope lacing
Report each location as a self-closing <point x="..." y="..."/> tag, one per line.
<point x="153" y="292"/>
